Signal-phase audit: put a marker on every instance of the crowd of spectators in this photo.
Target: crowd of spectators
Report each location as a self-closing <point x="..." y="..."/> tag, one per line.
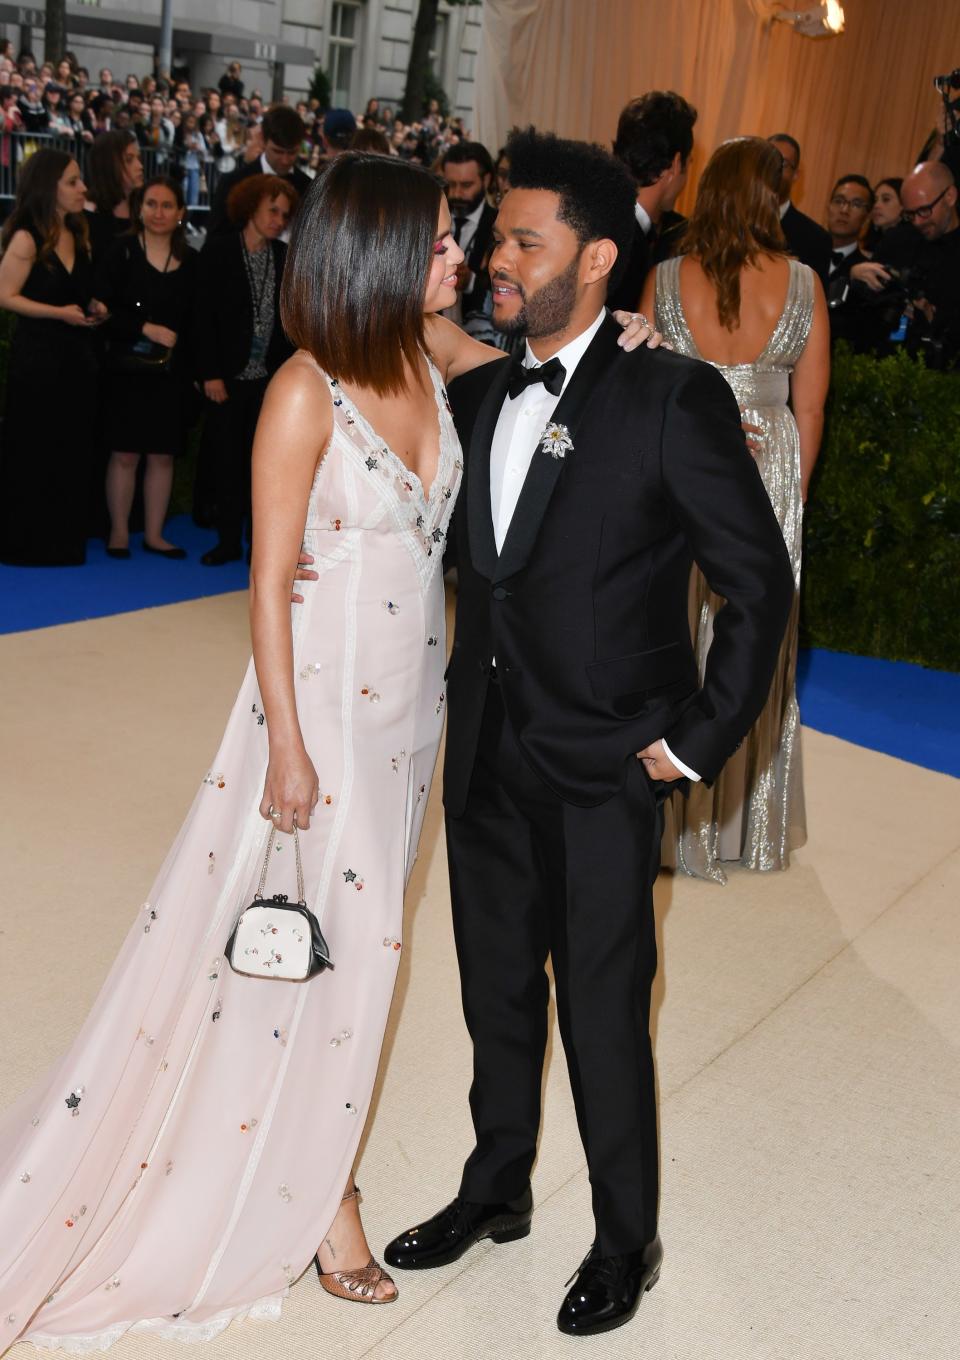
<point x="150" y="150"/>
<point x="196" y="134"/>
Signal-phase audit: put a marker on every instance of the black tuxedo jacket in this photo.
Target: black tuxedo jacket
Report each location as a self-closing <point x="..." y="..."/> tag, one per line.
<point x="808" y="241"/>
<point x="473" y="298"/>
<point x="585" y="609"/>
<point x="646" y="252"/>
<point x="842" y="308"/>
<point x="217" y="220"/>
<point x="223" y="331"/>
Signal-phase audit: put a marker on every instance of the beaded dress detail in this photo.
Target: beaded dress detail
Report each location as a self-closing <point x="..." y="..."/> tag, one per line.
<point x="180" y="1164"/>
<point x="754" y="812"/>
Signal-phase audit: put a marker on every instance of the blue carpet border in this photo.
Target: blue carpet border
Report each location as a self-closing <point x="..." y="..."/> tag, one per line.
<point x="894" y="707"/>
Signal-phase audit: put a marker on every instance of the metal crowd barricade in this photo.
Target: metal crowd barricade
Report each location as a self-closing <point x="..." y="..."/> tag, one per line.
<point x="17" y="147"/>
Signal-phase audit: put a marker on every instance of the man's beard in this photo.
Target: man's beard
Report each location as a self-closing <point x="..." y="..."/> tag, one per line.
<point x="463" y="207"/>
<point x="549" y="309"/>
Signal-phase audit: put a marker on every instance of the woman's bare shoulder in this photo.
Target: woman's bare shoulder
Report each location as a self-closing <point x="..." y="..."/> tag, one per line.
<point x="22" y="245"/>
<point x="299" y="392"/>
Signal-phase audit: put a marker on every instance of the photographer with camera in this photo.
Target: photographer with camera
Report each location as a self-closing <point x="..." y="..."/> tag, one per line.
<point x="944" y="143"/>
<point x="923" y="289"/>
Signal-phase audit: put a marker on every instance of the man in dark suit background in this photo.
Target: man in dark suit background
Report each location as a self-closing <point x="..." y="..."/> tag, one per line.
<point x="283" y="134"/>
<point x="806" y="239"/>
<point x="654" y="141"/>
<point x="848" y="210"/>
<point x="851" y="200"/>
<point x="467" y="170"/>
<point x="593" y="478"/>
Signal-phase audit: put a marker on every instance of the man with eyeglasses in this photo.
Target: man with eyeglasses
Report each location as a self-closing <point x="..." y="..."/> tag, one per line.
<point x="848" y="209"/>
<point x="851" y="201"/>
<point x="929" y="198"/>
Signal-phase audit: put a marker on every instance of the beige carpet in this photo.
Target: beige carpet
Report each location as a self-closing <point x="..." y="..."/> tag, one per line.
<point x="808" y="1026"/>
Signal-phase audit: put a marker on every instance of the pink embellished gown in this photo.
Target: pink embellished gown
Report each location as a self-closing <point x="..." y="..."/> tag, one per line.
<point x="180" y="1164"/>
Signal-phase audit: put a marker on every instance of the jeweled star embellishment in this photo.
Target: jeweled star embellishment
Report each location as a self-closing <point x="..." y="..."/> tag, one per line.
<point x="348" y="876"/>
<point x="556" y="440"/>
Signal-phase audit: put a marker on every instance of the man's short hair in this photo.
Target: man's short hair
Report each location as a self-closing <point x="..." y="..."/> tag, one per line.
<point x="596" y="192"/>
<point x="854" y="179"/>
<point x="790" y="141"/>
<point x="652" y="130"/>
<point x="463" y="152"/>
<point x="283" y="126"/>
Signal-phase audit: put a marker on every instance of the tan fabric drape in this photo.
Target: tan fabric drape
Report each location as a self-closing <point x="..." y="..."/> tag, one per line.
<point x="860" y="102"/>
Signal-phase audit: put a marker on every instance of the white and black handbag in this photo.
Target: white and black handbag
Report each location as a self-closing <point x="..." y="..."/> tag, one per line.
<point x="276" y="938"/>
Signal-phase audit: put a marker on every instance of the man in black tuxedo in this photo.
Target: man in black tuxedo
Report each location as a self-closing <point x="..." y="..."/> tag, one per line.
<point x="467" y="170"/>
<point x="654" y="140"/>
<point x="593" y="479"/>
<point x="851" y="201"/>
<point x="806" y="239"/>
<point x="283" y="134"/>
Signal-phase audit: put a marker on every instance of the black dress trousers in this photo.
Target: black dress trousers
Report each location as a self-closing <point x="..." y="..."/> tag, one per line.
<point x="530" y="876"/>
<point x="234" y="424"/>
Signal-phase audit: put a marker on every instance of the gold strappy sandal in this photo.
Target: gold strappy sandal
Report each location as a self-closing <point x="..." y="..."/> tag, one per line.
<point x="357" y="1286"/>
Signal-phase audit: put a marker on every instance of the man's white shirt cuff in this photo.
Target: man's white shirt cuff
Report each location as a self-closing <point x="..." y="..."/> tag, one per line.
<point x="685" y="769"/>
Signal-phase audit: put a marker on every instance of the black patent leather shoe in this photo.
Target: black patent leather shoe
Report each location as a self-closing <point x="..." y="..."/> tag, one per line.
<point x="607" y="1290"/>
<point x="451" y="1232"/>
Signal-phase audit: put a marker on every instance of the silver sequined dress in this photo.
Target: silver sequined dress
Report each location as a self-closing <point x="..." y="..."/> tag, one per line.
<point x="754" y="812"/>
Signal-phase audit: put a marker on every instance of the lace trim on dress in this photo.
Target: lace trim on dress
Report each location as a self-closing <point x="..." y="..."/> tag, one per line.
<point x="167" y="1329"/>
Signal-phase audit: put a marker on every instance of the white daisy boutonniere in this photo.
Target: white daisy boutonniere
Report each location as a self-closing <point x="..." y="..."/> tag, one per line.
<point x="556" y="440"/>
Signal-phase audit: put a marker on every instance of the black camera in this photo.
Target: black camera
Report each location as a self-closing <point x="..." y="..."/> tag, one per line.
<point x="949" y="82"/>
<point x="944" y="84"/>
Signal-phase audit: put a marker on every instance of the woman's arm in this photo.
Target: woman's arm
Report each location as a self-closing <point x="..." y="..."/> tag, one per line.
<point x="293" y="431"/>
<point x="808" y="387"/>
<point x="18" y="259"/>
<point x="455" y="352"/>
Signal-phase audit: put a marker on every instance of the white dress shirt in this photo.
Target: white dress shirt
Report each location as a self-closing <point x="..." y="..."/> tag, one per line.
<point x="468" y="230"/>
<point x="644" y="219"/>
<point x="517" y="438"/>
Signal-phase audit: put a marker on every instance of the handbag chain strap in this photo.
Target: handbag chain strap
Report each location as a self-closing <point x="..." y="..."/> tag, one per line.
<point x="301" y="896"/>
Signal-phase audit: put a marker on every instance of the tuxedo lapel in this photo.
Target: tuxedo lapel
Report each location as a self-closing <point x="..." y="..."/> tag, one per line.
<point x="544" y="469"/>
<point x="483" y="544"/>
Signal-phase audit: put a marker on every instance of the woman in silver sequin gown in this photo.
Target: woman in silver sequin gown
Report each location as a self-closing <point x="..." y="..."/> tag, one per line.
<point x="767" y="305"/>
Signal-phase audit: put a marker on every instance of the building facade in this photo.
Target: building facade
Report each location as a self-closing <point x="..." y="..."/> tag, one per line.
<point x="363" y="45"/>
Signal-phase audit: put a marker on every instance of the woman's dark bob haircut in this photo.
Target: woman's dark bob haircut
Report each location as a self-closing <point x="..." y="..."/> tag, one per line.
<point x="356" y="274"/>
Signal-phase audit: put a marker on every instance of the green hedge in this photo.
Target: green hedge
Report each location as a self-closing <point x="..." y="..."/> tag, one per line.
<point x="881" y="566"/>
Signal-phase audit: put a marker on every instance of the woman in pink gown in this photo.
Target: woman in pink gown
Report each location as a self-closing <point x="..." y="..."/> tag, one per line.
<point x="184" y="1160"/>
<point x="181" y="1165"/>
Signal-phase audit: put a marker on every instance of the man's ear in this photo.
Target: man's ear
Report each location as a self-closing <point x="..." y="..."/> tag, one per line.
<point x="599" y="258"/>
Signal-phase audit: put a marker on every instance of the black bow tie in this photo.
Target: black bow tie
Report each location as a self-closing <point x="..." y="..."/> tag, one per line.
<point x="837" y="257"/>
<point x="551" y="374"/>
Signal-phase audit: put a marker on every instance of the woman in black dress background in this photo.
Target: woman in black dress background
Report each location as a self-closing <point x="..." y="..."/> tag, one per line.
<point x="147" y="279"/>
<point x="114" y="170"/>
<point x="46" y="278"/>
